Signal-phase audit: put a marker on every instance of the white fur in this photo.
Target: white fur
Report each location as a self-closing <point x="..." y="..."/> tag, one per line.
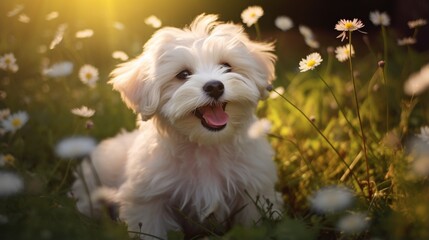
<point x="173" y="168"/>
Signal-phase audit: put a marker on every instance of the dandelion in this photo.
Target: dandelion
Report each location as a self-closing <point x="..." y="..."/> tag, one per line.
<point x="120" y="55"/>
<point x="8" y="62"/>
<point x="259" y="128"/>
<point x="417" y="82"/>
<point x="283" y="23"/>
<point x="348" y="26"/>
<point x="406" y="41"/>
<point x="417" y="23"/>
<point x="24" y="18"/>
<point x="52" y="15"/>
<point x="88" y="74"/>
<point x="251" y="15"/>
<point x="153" y="21"/>
<point x="75" y="147"/>
<point x="10" y="184"/>
<point x="310" y="62"/>
<point x="353" y="223"/>
<point x="342" y="53"/>
<point x="83" y="111"/>
<point x="58" y="36"/>
<point x="86" y="33"/>
<point x="15" y="11"/>
<point x="14" y="121"/>
<point x="60" y="69"/>
<point x="378" y="18"/>
<point x="331" y="199"/>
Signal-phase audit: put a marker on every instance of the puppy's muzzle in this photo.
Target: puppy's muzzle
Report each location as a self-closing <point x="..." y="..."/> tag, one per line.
<point x="213" y="116"/>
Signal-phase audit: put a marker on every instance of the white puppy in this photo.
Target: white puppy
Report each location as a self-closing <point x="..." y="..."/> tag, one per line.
<point x="192" y="159"/>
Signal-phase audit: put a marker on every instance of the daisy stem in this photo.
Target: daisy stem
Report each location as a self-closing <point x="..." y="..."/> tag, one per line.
<point x="383" y="31"/>
<point x="359" y="117"/>
<point x="258" y="31"/>
<point x="321" y="134"/>
<point x="65" y="176"/>
<point x="338" y="103"/>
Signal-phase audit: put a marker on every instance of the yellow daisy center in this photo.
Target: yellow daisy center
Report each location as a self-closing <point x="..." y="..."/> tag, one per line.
<point x="253" y="15"/>
<point x="7" y="61"/>
<point x="16" y="122"/>
<point x="349" y="25"/>
<point x="88" y="75"/>
<point x="311" y="63"/>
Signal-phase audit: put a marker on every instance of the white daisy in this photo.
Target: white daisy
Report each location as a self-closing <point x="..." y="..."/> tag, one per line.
<point x="120" y="55"/>
<point x="15" y="11"/>
<point x="353" y="223"/>
<point x="88" y="74"/>
<point x="311" y="42"/>
<point x="251" y="15"/>
<point x="75" y="147"/>
<point x="259" y="128"/>
<point x="406" y="41"/>
<point x="342" y="53"/>
<point x="331" y="199"/>
<point x="86" y="33"/>
<point x="83" y="111"/>
<point x="4" y="113"/>
<point x="8" y="62"/>
<point x="348" y="26"/>
<point x="14" y="121"/>
<point x="378" y="18"/>
<point x="59" y="34"/>
<point x="24" y="18"/>
<point x="10" y="184"/>
<point x="60" y="69"/>
<point x="153" y="21"/>
<point x="283" y="23"/>
<point x="305" y="31"/>
<point x="310" y="62"/>
<point x="417" y="82"/>
<point x="118" y="25"/>
<point x="52" y="15"/>
<point x="417" y="23"/>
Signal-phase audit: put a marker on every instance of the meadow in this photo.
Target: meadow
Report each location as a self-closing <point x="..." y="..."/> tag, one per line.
<point x="349" y="125"/>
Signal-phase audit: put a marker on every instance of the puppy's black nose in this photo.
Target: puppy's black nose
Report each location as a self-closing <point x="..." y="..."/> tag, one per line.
<point x="214" y="88"/>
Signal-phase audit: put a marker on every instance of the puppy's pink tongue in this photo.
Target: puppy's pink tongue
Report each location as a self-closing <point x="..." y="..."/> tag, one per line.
<point x="214" y="116"/>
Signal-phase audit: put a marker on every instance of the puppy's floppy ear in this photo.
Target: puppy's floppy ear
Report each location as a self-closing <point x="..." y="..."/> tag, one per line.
<point x="263" y="54"/>
<point x="131" y="79"/>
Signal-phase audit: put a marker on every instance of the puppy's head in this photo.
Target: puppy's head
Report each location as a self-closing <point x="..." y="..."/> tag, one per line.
<point x="203" y="81"/>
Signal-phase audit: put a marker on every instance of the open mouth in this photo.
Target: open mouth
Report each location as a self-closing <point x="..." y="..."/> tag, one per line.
<point x="213" y="116"/>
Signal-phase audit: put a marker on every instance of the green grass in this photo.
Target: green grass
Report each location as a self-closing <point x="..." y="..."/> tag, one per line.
<point x="316" y="134"/>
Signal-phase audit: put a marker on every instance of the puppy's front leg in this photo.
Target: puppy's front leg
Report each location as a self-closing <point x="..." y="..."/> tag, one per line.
<point x="149" y="220"/>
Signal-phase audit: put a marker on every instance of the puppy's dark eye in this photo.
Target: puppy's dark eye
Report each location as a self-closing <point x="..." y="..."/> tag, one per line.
<point x="227" y="67"/>
<point x="183" y="75"/>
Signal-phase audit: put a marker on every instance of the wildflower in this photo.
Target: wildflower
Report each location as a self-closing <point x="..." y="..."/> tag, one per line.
<point x="424" y="134"/>
<point x="16" y="10"/>
<point x="153" y="21"/>
<point x="348" y="26"/>
<point x="311" y="42"/>
<point x="417" y="82"/>
<point x="417" y="23"/>
<point x="305" y="31"/>
<point x="88" y="74"/>
<point x="118" y="25"/>
<point x="8" y="62"/>
<point x="24" y="18"/>
<point x="406" y="41"/>
<point x="52" y="15"/>
<point x="313" y="60"/>
<point x="259" y="128"/>
<point x="83" y="111"/>
<point x="10" y="184"/>
<point x="378" y="18"/>
<point x="59" y="34"/>
<point x="331" y="199"/>
<point x="14" y="121"/>
<point x="353" y="223"/>
<point x="343" y="53"/>
<point x="120" y="55"/>
<point x="75" y="147"/>
<point x="86" y="33"/>
<point x="60" y="69"/>
<point x="283" y="23"/>
<point x="251" y="15"/>
<point x="6" y="159"/>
